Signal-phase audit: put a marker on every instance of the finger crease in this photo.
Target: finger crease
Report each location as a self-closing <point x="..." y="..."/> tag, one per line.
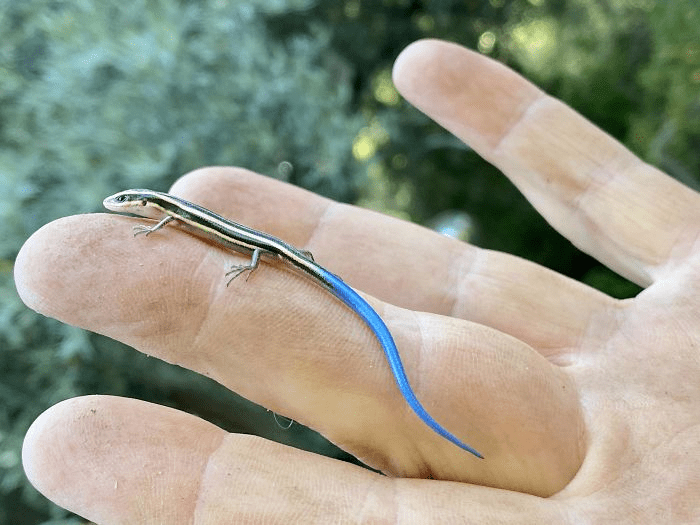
<point x="324" y="218"/>
<point x="462" y="269"/>
<point x="534" y="106"/>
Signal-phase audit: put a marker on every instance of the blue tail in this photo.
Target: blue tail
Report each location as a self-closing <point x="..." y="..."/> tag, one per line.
<point x="369" y="316"/>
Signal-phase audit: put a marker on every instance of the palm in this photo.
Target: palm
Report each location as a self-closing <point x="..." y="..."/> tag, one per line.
<point x="637" y="375"/>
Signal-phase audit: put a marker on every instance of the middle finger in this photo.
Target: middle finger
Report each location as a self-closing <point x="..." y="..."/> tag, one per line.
<point x="409" y="265"/>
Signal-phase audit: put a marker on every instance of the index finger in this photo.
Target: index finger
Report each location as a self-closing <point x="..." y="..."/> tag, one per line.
<point x="405" y="264"/>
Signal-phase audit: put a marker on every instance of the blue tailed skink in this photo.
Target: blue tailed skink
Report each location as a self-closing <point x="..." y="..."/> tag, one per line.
<point x="166" y="208"/>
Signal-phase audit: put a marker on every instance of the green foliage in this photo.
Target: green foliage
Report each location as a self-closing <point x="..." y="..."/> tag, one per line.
<point x="668" y="127"/>
<point x="100" y="95"/>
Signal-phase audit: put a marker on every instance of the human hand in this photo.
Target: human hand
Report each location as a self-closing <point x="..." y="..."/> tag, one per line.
<point x="562" y="389"/>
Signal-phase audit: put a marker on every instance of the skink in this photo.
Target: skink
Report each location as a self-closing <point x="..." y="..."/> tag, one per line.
<point x="166" y="208"/>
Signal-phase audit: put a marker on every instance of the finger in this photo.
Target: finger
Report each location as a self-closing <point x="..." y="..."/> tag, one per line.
<point x="280" y="341"/>
<point x="623" y="212"/>
<point x="408" y="265"/>
<point x="95" y="457"/>
<point x="115" y="460"/>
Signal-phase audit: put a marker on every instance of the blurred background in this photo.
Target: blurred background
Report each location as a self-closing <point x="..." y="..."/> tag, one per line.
<point x="99" y="96"/>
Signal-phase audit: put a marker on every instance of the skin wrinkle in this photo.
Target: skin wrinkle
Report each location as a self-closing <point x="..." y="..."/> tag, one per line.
<point x="481" y="261"/>
<point x="590" y="189"/>
<point x="593" y="231"/>
<point x="215" y="292"/>
<point x="616" y="411"/>
<point x="417" y="378"/>
<point x="330" y="210"/>
<point x="694" y="247"/>
<point x="548" y="113"/>
<point x="686" y="243"/>
<point x="598" y="181"/>
<point x="376" y="496"/>
<point x="596" y="334"/>
<point x="580" y="486"/>
<point x="522" y="119"/>
<point x="201" y="333"/>
<point x="202" y="478"/>
<point x="402" y="494"/>
<point x="462" y="267"/>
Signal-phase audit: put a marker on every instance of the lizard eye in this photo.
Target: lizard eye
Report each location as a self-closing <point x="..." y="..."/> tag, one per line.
<point x="120" y="198"/>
